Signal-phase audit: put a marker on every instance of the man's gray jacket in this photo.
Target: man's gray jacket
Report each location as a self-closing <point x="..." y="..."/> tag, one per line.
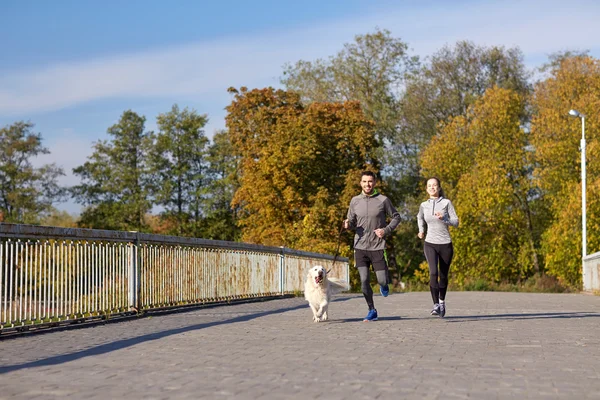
<point x="367" y="213"/>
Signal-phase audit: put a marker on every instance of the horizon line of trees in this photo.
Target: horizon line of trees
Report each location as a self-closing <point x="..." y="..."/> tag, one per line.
<point x="287" y="164"/>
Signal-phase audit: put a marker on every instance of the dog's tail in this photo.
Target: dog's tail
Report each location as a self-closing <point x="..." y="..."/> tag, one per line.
<point x="338" y="285"/>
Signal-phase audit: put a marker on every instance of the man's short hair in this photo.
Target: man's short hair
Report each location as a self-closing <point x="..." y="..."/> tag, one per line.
<point x="369" y="173"/>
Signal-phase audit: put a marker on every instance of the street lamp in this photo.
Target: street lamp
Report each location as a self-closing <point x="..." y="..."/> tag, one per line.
<point x="575" y="113"/>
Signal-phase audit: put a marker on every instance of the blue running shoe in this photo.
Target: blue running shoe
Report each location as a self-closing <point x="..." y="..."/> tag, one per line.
<point x="371" y="316"/>
<point x="384" y="290"/>
<point x="436" y="309"/>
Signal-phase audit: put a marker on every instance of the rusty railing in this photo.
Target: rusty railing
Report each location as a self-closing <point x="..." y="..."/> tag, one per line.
<point x="52" y="276"/>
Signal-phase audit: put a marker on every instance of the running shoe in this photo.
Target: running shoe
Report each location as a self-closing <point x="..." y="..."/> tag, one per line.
<point x="384" y="290"/>
<point x="371" y="316"/>
<point x="442" y="310"/>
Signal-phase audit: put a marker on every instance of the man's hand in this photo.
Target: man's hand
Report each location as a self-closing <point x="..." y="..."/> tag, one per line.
<point x="421" y="235"/>
<point x="346" y="224"/>
<point x="380" y="232"/>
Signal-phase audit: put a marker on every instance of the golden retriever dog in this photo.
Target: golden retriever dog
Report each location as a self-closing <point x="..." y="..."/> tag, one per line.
<point x="318" y="289"/>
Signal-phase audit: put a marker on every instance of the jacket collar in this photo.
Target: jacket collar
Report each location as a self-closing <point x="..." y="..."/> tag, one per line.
<point x="375" y="193"/>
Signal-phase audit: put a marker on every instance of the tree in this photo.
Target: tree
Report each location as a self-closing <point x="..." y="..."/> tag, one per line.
<point x="298" y="166"/>
<point x="370" y="70"/>
<point x="484" y="161"/>
<point x="60" y="218"/>
<point x="450" y="82"/>
<point x="180" y="168"/>
<point x="445" y="87"/>
<point x="220" y="218"/>
<point x="573" y="82"/>
<point x="409" y="104"/>
<point x="27" y="193"/>
<point x="116" y="178"/>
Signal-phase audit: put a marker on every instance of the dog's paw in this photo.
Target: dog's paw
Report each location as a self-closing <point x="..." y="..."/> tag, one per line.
<point x="324" y="317"/>
<point x="316" y="319"/>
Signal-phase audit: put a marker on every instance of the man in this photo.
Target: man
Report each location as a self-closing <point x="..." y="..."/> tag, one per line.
<point x="367" y="216"/>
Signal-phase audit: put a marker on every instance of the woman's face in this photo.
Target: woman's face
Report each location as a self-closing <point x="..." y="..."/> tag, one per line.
<point x="433" y="188"/>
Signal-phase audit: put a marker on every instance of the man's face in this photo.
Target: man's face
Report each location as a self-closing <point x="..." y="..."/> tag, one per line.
<point x="367" y="183"/>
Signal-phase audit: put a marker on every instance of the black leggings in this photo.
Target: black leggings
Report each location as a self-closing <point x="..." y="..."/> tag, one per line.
<point x="439" y="257"/>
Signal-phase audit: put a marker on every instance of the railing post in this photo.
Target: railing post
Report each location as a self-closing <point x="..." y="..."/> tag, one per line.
<point x="348" y="272"/>
<point x="282" y="270"/>
<point x="134" y="274"/>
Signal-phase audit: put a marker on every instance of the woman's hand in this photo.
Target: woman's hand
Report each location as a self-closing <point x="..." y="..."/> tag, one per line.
<point x="421" y="235"/>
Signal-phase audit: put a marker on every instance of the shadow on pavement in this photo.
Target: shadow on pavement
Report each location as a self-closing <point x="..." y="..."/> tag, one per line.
<point x="121" y="344"/>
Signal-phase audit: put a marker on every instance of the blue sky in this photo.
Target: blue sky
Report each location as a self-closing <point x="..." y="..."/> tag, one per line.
<point x="72" y="67"/>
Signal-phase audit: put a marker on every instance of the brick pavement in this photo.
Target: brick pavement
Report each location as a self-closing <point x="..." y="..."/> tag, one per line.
<point x="489" y="346"/>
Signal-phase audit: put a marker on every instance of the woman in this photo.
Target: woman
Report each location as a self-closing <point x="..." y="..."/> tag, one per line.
<point x="437" y="213"/>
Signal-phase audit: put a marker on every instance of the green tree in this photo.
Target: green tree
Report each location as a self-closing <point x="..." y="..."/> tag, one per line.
<point x="452" y="80"/>
<point x="220" y="218"/>
<point x="27" y="193"/>
<point x="370" y="70"/>
<point x="115" y="181"/>
<point x="485" y="165"/>
<point x="445" y="87"/>
<point x="180" y="168"/>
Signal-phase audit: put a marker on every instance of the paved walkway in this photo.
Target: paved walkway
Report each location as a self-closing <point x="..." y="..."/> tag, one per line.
<point x="489" y="346"/>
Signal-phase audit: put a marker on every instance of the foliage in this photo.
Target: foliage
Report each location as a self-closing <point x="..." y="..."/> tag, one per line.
<point x="115" y="181"/>
<point x="483" y="158"/>
<point x="284" y="172"/>
<point x="450" y="82"/>
<point x="179" y="166"/>
<point x="370" y="71"/>
<point x="445" y="86"/>
<point x="573" y="82"/>
<point x="299" y="166"/>
<point x="220" y="218"/>
<point x="408" y="103"/>
<point x="26" y="192"/>
<point x="60" y="218"/>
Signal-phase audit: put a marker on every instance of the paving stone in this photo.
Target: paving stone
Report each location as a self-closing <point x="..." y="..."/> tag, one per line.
<point x="489" y="346"/>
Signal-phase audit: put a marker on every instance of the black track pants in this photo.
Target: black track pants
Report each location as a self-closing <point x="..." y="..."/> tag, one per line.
<point x="376" y="259"/>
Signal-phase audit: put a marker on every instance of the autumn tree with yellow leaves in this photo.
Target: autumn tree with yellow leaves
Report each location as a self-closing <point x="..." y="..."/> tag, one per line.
<point x="299" y="166"/>
<point x="484" y="162"/>
<point x="573" y="82"/>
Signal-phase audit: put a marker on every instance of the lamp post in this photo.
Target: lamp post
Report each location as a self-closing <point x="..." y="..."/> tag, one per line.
<point x="575" y="113"/>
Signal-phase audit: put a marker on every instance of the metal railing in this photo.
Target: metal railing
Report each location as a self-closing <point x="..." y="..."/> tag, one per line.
<point x="51" y="275"/>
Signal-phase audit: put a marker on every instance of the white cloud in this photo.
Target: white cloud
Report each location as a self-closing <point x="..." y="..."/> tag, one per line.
<point x="206" y="68"/>
<point x="195" y="69"/>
